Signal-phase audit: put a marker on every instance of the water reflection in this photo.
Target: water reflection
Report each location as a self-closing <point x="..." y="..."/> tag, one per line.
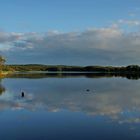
<point x="2" y="89"/>
<point x="36" y="75"/>
<point x="116" y="98"/>
<point x="71" y="108"/>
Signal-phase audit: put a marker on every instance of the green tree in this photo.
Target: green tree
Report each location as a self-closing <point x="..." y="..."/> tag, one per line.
<point x="133" y="68"/>
<point x="2" y="61"/>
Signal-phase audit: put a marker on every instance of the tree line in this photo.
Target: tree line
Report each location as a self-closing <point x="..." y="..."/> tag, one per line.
<point x="63" y="68"/>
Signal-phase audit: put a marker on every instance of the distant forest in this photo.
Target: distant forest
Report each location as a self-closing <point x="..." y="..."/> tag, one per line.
<point x="131" y="71"/>
<point x="64" y="68"/>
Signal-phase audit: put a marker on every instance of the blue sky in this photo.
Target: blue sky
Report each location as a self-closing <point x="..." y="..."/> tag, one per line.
<point x="48" y="28"/>
<point x="64" y="15"/>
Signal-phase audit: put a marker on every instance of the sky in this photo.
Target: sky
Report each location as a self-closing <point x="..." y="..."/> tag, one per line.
<point x="70" y="32"/>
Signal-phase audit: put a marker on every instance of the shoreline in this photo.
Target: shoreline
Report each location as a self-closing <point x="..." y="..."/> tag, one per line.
<point x="37" y="75"/>
<point x="68" y="68"/>
<point x="131" y="71"/>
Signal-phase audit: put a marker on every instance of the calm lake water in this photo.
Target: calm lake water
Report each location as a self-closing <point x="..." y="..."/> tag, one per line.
<point x="72" y="108"/>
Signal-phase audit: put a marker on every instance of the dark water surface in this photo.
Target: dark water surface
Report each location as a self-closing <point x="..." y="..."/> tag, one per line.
<point x="72" y="108"/>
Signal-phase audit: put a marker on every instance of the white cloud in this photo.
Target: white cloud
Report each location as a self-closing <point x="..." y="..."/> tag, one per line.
<point x="6" y="37"/>
<point x="108" y="46"/>
<point x="129" y="22"/>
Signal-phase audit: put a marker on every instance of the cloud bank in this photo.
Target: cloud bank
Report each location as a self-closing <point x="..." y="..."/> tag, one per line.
<point x="100" y="46"/>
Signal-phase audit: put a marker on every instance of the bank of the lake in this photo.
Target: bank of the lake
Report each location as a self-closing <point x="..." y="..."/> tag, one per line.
<point x="130" y="72"/>
<point x="61" y="68"/>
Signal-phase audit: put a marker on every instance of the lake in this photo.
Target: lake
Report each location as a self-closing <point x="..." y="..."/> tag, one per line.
<point x="69" y="108"/>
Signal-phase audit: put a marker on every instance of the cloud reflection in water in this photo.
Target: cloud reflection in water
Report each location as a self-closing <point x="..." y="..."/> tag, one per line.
<point x="116" y="98"/>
